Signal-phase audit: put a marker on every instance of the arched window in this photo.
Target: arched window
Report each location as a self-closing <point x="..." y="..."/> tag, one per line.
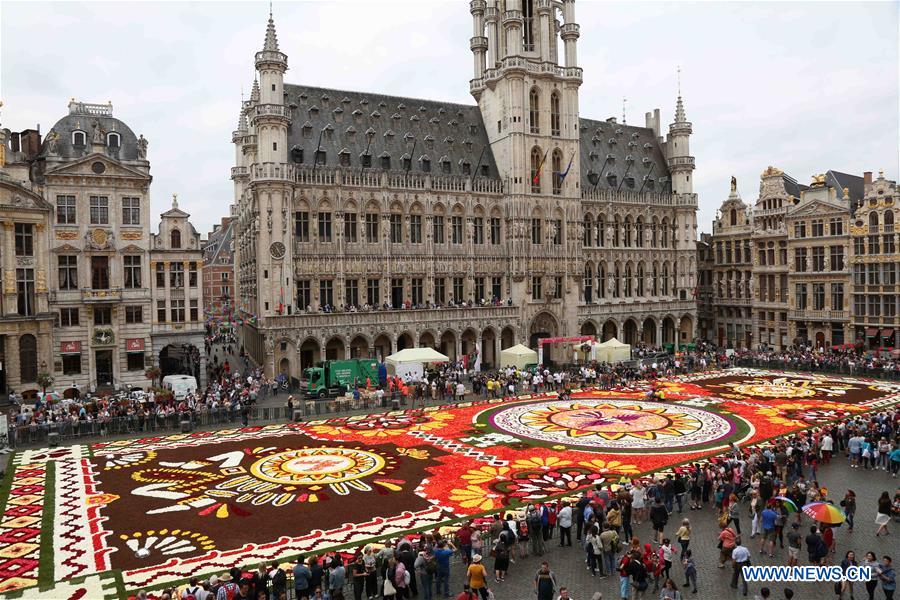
<point x="888" y="221"/>
<point x="639" y="232"/>
<point x="534" y="111"/>
<point x="557" y="172"/>
<point x="616" y="229"/>
<point x="628" y="281"/>
<point x="664" y="233"/>
<point x="601" y="231"/>
<point x="618" y="283"/>
<point x="28" y="358"/>
<point x="588" y="283"/>
<point x="601" y="281"/>
<point x="628" y="231"/>
<point x="873" y="222"/>
<point x="665" y="279"/>
<point x="113" y="140"/>
<point x="588" y="231"/>
<point x="536" y="170"/>
<point x="175" y="238"/>
<point x="79" y="138"/>
<point x="674" y="233"/>
<point x="640" y="281"/>
<point x="653" y="227"/>
<point x="733" y="217"/>
<point x="554" y="113"/>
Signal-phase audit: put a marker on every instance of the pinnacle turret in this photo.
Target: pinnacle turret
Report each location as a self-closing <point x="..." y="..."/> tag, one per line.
<point x="679" y="111"/>
<point x="271" y="43"/>
<point x="254" y="93"/>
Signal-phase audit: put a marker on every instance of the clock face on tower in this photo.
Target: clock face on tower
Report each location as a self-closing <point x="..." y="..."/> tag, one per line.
<point x="277" y="250"/>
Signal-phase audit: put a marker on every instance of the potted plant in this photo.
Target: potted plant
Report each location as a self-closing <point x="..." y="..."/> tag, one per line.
<point x="45" y="380"/>
<point x="153" y="374"/>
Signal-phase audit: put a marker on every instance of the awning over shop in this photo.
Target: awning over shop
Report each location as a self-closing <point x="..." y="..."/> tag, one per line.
<point x="887" y="332"/>
<point x="872" y="331"/>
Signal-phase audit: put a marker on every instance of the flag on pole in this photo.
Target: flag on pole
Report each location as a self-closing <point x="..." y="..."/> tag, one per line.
<point x="566" y="172"/>
<point x="537" y="176"/>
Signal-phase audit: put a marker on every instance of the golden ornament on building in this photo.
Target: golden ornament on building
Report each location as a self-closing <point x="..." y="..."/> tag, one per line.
<point x="66" y="235"/>
<point x="132" y="235"/>
<point x="99" y="237"/>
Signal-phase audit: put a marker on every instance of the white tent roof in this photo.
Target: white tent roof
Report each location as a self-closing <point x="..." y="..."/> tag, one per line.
<point x="520" y="350"/>
<point x="417" y="355"/>
<point x="613" y="343"/>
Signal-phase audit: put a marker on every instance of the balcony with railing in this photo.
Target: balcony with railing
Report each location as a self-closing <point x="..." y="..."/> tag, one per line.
<point x="274" y="110"/>
<point x="239" y="172"/>
<point x="412" y="318"/>
<point x="92" y="296"/>
<point x="272" y="171"/>
<point x="343" y="177"/>
<point x="819" y="315"/>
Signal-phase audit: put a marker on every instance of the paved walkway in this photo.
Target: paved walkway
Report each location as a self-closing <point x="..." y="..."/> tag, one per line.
<point x="713" y="583"/>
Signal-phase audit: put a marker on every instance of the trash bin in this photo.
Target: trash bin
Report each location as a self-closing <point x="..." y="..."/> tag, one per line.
<point x="298" y="415"/>
<point x="186" y="426"/>
<point x="53" y="439"/>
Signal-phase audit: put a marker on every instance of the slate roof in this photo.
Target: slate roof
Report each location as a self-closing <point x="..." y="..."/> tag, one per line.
<point x="128" y="149"/>
<point x="399" y="128"/>
<point x="854" y="183"/>
<point x="454" y="133"/>
<point x="633" y="152"/>
<point x="792" y="187"/>
<point x="219" y="241"/>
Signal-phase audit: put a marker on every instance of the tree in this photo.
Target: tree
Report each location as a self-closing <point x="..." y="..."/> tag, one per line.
<point x="153" y="373"/>
<point x="45" y="380"/>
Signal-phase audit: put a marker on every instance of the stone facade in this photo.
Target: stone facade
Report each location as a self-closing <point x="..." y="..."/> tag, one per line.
<point x="26" y="322"/>
<point x="178" y="323"/>
<point x="541" y="222"/>
<point x="875" y="265"/>
<point x="94" y="177"/>
<point x="218" y="266"/>
<point x="781" y="270"/>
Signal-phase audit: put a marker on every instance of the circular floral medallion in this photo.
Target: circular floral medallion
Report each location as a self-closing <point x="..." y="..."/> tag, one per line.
<point x="772" y="389"/>
<point x="317" y="466"/>
<point x="620" y="425"/>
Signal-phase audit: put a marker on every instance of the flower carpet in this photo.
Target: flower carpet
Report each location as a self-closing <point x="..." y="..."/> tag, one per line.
<point x="147" y="512"/>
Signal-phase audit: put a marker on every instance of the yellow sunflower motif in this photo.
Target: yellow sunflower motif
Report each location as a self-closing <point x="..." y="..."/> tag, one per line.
<point x="473" y="496"/>
<point x="611" y="421"/>
<point x="609" y="466"/>
<point x="386" y="425"/>
<point x="485" y="474"/>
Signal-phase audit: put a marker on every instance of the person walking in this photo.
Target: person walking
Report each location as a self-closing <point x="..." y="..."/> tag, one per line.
<point x="740" y="558"/>
<point x="872" y="562"/>
<point x="727" y="542"/>
<point x="476" y="577"/>
<point x="683" y="535"/>
<point x="887" y="577"/>
<point x="544" y="582"/>
<point x="659" y="516"/>
<point x="564" y="521"/>
<point x="884" y="514"/>
<point x="426" y="569"/>
<point x="690" y="570"/>
<point x="849" y="505"/>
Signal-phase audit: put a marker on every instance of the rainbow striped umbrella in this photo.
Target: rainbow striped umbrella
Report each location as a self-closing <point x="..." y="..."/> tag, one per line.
<point x="823" y="512"/>
<point x="788" y="503"/>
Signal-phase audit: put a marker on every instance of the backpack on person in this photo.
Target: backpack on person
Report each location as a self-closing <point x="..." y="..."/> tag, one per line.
<point x="431" y="565"/>
<point x="231" y="590"/>
<point x="191" y="593"/>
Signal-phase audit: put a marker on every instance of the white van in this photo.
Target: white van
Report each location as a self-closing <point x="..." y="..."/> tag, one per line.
<point x="180" y="385"/>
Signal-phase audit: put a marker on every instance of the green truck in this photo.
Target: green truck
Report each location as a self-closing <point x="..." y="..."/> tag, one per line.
<point x="334" y="377"/>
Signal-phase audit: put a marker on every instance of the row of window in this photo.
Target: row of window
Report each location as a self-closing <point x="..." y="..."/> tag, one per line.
<point x="386" y="163"/>
<point x="131" y="273"/>
<point x="629" y="235"/>
<point x="621" y="283"/>
<point x="817" y="228"/>
<point x="534" y="112"/>
<point x="71" y="363"/>
<point x="874" y="244"/>
<point x="875" y="274"/>
<point x="400" y="295"/>
<point x="812" y="296"/>
<point x="732" y="253"/>
<point x="806" y="261"/>
<point x="98" y="206"/>
<point x="875" y="305"/>
<point x="113" y="139"/>
<point x="101" y="315"/>
<point x="176" y="311"/>
<point x="482" y="229"/>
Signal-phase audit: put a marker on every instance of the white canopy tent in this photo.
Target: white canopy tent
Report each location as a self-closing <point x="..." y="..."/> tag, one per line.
<point x="518" y="356"/>
<point x="611" y="351"/>
<point x="411" y="361"/>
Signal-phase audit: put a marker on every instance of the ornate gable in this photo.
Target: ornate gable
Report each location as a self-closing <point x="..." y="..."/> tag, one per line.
<point x="97" y="165"/>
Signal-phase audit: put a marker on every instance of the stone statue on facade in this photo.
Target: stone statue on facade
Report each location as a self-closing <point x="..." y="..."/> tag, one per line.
<point x="53" y="143"/>
<point x="733" y="184"/>
<point x="98" y="133"/>
<point x="142" y="146"/>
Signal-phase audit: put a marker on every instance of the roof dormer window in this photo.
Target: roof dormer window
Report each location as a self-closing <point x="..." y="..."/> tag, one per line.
<point x="79" y="138"/>
<point x="426" y="163"/>
<point x="113" y="140"/>
<point x="344" y="157"/>
<point x="385" y="161"/>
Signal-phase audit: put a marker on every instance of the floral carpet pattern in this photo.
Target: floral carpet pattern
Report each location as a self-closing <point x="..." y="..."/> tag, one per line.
<point x="155" y="510"/>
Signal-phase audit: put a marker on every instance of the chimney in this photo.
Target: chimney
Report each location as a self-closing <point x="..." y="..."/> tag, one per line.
<point x="867" y="178"/>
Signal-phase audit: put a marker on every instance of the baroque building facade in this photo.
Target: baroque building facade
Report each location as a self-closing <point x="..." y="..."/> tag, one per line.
<point x="92" y="274"/>
<point x="368" y="223"/>
<point x="26" y="321"/>
<point x="800" y="266"/>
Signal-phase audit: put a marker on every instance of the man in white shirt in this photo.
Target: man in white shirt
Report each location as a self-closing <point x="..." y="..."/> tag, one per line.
<point x="827" y="448"/>
<point x="740" y="558"/>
